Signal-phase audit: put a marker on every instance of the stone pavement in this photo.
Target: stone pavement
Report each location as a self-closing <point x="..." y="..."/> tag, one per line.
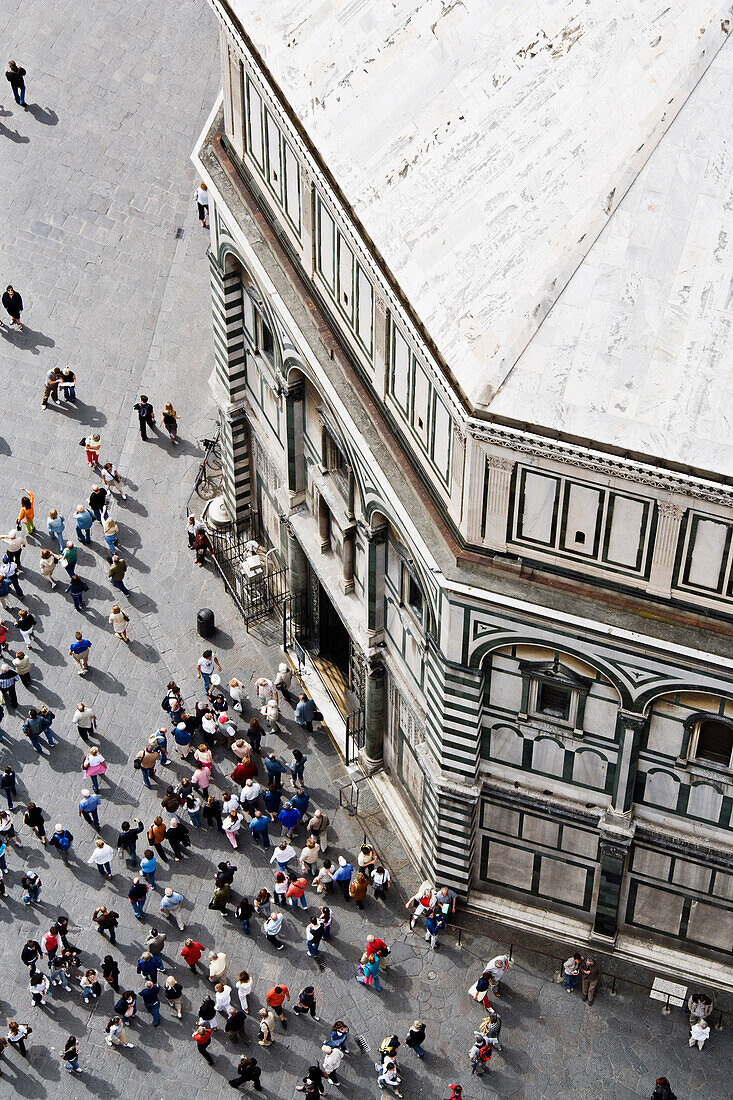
<point x="96" y="185"/>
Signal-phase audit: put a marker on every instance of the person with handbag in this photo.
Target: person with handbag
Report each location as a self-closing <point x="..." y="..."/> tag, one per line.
<point x="93" y="766"/>
<point x="119" y="621"/>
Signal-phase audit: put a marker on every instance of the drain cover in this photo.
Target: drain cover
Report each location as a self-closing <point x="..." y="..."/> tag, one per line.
<point x="432" y="975"/>
<point x="179" y="232"/>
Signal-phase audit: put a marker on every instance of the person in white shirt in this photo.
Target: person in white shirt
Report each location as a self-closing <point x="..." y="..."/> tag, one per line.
<point x="201" y="194"/>
<point x="699" y="1033"/>
<point x="236" y="691"/>
<point x="116" y="1035"/>
<point x="232" y="823"/>
<point x="205" y="668"/>
<point x="423" y="899"/>
<point x="222" y="998"/>
<point x="251" y="791"/>
<point x="244" y="988"/>
<point x="229" y="803"/>
<point x="102" y="857"/>
<point x="217" y="966"/>
<point x="282" y="855"/>
<point x="84" y="721"/>
<point x="332" y="1059"/>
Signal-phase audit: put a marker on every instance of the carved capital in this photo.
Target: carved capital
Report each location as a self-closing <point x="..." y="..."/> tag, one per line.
<point x="631" y="720"/>
<point x="670" y="510"/>
<point x="496" y="462"/>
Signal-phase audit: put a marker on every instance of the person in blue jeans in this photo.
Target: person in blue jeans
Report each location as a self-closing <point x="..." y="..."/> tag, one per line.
<point x="244" y="913"/>
<point x="416" y="1038"/>
<point x="15" y="75"/>
<point x="70" y="1055"/>
<point x="55" y="524"/>
<point x="31" y="883"/>
<point x="297" y="767"/>
<point x="258" y="827"/>
<point x="76" y="589"/>
<point x="148" y="866"/>
<point x="159" y="741"/>
<point x="88" y="808"/>
<point x="150" y="997"/>
<point x="84" y="518"/>
<point x="571" y="971"/>
<point x="35" y="725"/>
<point x="137" y="894"/>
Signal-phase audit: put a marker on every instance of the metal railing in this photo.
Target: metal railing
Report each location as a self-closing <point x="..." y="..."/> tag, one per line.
<point x="255" y="597"/>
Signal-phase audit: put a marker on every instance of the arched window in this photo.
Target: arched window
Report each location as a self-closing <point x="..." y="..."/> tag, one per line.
<point x="714" y="742"/>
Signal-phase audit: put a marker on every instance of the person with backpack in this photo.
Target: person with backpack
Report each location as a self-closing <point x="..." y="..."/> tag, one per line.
<point x="491" y="1028"/>
<point x="146" y="416"/>
<point x="61" y="839"/>
<point x="480" y="1054"/>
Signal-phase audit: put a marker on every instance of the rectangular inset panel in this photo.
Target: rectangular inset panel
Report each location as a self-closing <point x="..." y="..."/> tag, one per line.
<point x="723" y="885"/>
<point x="346" y="278"/>
<point x="625" y="536"/>
<point x="582" y="516"/>
<point x="326" y="246"/>
<point x="400" y="369"/>
<point x="565" y="882"/>
<point x="538" y="830"/>
<point x="654" y="864"/>
<point x="537" y="504"/>
<point x="255" y="141"/>
<point x="599" y="716"/>
<point x="441" y="438"/>
<point x="657" y="909"/>
<point x="248" y="312"/>
<point x="505" y="691"/>
<point x="500" y="819"/>
<point x="274" y="167"/>
<point x="292" y="187"/>
<point x="548" y="756"/>
<point x="364" y="310"/>
<point x="421" y="405"/>
<point x="706" y="554"/>
<point x="579" y="842"/>
<point x="511" y="866"/>
<point x="692" y="875"/>
<point x="710" y="925"/>
<point x="665" y="736"/>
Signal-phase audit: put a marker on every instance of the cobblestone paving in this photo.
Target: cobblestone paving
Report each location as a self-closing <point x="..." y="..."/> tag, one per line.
<point x="96" y="182"/>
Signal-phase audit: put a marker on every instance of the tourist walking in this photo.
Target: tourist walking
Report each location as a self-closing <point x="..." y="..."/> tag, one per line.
<point x="92" y="443"/>
<point x="88" y="808"/>
<point x="48" y="563"/>
<point x="191" y="953"/>
<point x="145" y="414"/>
<point x="111" y="476"/>
<point x="170" y="422"/>
<point x="170" y="905"/>
<point x="173" y="991"/>
<point x="137" y="894"/>
<point x="306" y="1003"/>
<point x="247" y="1070"/>
<point x="85" y="721"/>
<point x="93" y="766"/>
<point x="101" y="857"/>
<point x="12" y="302"/>
<point x="15" y="75"/>
<point x="70" y="1055"/>
<point x="79" y="650"/>
<point x="116" y="573"/>
<point x="106" y="920"/>
<point x="201" y="195"/>
<point x="84" y="519"/>
<point x="115" y="1032"/>
<point x="119" y="621"/>
<point x="202" y="1036"/>
<point x="699" y="1032"/>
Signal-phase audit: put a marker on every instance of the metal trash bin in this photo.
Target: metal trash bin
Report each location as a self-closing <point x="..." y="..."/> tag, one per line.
<point x="205" y="624"/>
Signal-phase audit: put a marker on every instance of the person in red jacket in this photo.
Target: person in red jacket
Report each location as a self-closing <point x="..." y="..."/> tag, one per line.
<point x="192" y="952"/>
<point x="375" y="946"/>
<point x="275" y="999"/>
<point x="244" y="771"/>
<point x="202" y="1039"/>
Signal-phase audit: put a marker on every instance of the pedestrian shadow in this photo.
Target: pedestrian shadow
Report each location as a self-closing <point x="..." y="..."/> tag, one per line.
<point x="132" y="504"/>
<point x="13" y="135"/>
<point x="28" y="339"/>
<point x="183" y="448"/>
<point x="23" y="1083"/>
<point x="105" y="681"/>
<point x="44" y="115"/>
<point x="88" y="414"/>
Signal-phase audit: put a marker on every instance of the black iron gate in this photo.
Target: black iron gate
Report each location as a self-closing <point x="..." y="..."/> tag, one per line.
<point x="255" y="596"/>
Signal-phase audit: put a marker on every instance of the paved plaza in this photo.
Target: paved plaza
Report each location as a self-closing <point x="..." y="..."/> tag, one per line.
<point x="100" y="236"/>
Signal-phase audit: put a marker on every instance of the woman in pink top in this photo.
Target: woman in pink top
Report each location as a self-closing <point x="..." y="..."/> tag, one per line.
<point x="94" y="765"/>
<point x="201" y="778"/>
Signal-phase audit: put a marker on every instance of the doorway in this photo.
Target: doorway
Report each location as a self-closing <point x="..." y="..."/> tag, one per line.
<point x="334" y="637"/>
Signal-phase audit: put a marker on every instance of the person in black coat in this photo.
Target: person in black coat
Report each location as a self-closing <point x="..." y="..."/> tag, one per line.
<point x="145" y="414"/>
<point x="663" y="1090"/>
<point x="247" y="1070"/>
<point x="234" y="1026"/>
<point x="111" y="973"/>
<point x="178" y="837"/>
<point x="127" y="840"/>
<point x="30" y="954"/>
<point x="13" y="303"/>
<point x="15" y="76"/>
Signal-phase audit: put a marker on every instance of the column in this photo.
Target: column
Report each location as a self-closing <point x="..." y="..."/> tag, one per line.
<point x="497" y="502"/>
<point x="297" y="564"/>
<point x="236" y="482"/>
<point x="374" y="711"/>
<point x="294" y="398"/>
<point x="376" y="566"/>
<point x="381" y="353"/>
<point x="347" y="562"/>
<point x="669" y="521"/>
<point x="233" y="87"/>
<point x="458" y="472"/>
<point x="324" y="524"/>
<point x="614" y="853"/>
<point x="307" y="229"/>
<point x="230" y="369"/>
<point x="630" y="728"/>
<point x="474" y="481"/>
<point x="449" y="820"/>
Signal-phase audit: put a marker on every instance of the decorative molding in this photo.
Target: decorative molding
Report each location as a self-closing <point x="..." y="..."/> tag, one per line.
<point x="608" y="465"/>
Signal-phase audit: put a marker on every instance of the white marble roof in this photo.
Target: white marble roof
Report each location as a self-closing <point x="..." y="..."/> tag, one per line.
<point x="483" y="144"/>
<point x="638" y="350"/>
